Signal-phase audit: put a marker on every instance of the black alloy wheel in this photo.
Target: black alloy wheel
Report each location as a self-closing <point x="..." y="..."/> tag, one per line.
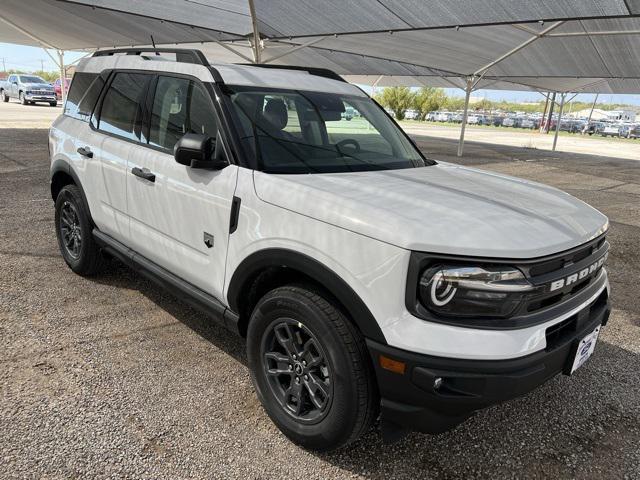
<point x="74" y="232"/>
<point x="310" y="367"/>
<point x="70" y="230"/>
<point x="297" y="370"/>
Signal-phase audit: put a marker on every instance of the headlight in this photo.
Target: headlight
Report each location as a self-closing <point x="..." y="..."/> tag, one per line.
<point x="473" y="291"/>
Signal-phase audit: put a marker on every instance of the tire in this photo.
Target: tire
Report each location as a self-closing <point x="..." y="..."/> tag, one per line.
<point x="80" y="253"/>
<point x="22" y="99"/>
<point x="5" y="97"/>
<point x="53" y="104"/>
<point x="347" y="404"/>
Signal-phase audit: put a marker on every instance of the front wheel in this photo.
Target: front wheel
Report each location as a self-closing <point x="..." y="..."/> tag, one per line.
<point x="22" y="98"/>
<point x="310" y="368"/>
<point x="74" y="232"/>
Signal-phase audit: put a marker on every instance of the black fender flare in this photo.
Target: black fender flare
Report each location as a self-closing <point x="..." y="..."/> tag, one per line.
<point x="63" y="166"/>
<point x="336" y="286"/>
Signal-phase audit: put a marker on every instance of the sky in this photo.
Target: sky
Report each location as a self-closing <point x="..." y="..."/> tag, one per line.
<point x="33" y="58"/>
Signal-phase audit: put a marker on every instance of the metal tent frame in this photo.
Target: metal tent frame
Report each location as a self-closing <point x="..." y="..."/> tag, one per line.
<point x="562" y="46"/>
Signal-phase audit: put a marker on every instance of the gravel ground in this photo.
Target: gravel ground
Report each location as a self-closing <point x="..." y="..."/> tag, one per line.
<point x="111" y="377"/>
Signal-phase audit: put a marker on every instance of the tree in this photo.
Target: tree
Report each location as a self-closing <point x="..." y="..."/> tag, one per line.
<point x="48" y="76"/>
<point x="396" y="99"/>
<point x="454" y="103"/>
<point x="429" y="99"/>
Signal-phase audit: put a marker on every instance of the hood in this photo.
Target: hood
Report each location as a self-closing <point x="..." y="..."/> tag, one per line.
<point x="441" y="209"/>
<point x="38" y="86"/>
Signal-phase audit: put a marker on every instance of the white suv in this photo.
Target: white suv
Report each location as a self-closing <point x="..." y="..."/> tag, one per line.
<point x="366" y="278"/>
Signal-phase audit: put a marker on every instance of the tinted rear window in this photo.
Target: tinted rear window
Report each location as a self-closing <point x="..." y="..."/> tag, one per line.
<point x="121" y="111"/>
<point x="83" y="94"/>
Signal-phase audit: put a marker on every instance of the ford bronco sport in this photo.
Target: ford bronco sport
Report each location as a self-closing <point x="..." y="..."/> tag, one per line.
<point x="369" y="281"/>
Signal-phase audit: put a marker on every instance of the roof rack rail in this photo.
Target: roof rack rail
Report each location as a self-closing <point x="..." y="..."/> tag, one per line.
<point x="320" y="72"/>
<point x="183" y="55"/>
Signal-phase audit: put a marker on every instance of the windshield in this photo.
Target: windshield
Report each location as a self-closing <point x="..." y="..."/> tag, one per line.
<point x="293" y="131"/>
<point x="31" y="79"/>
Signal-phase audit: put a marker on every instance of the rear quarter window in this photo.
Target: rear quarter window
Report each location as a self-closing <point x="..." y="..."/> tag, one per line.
<point x="83" y="95"/>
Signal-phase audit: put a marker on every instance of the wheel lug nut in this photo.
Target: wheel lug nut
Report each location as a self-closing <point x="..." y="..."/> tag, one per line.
<point x="294" y="357"/>
<point x="306" y="377"/>
<point x="290" y="367"/>
<point x="297" y="379"/>
<point x="304" y="363"/>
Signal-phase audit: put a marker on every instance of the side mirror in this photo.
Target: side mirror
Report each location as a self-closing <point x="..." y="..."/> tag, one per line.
<point x="199" y="151"/>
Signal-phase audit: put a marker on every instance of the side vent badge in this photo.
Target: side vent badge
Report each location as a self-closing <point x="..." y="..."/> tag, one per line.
<point x="208" y="240"/>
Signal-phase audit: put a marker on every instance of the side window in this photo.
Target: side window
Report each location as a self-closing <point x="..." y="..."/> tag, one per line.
<point x="121" y="112"/>
<point x="12" y="78"/>
<point x="179" y="106"/>
<point x="83" y="94"/>
<point x="89" y="99"/>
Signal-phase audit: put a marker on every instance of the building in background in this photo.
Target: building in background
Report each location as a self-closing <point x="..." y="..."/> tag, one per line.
<point x="606" y="115"/>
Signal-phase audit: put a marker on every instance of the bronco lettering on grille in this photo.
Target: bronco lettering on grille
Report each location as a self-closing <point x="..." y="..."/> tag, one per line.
<point x="573" y="278"/>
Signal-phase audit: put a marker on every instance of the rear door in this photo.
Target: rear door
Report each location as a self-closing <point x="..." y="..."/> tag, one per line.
<point x="180" y="216"/>
<point x="114" y="134"/>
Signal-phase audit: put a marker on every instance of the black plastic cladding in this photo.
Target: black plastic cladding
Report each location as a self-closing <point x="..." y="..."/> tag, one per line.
<point x="538" y="271"/>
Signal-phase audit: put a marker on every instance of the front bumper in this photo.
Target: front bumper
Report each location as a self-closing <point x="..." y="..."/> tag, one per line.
<point x="410" y="400"/>
<point x="41" y="98"/>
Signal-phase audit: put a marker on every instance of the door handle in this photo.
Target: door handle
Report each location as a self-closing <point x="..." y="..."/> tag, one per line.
<point x="144" y="173"/>
<point x="85" y="152"/>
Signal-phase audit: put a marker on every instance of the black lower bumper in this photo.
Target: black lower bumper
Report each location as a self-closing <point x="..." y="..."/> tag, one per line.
<point x="411" y="399"/>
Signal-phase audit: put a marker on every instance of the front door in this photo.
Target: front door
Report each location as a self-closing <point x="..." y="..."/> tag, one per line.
<point x="179" y="216"/>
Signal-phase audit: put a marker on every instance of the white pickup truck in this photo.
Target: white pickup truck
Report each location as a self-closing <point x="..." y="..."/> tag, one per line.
<point x="28" y="89"/>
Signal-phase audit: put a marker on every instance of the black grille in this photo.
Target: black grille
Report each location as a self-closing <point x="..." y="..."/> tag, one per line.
<point x="561" y="266"/>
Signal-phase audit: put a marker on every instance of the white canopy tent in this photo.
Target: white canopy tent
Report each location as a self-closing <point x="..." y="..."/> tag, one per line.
<point x="590" y="46"/>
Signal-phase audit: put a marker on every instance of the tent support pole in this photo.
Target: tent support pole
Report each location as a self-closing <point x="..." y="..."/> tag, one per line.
<point x="294" y="49"/>
<point x="256" y="43"/>
<point x="468" y="90"/>
<point x="595" y="100"/>
<point x="547" y="125"/>
<point x="555" y="137"/>
<point x="63" y="79"/>
<point x="233" y="50"/>
<point x="375" y="84"/>
<point x="546" y="106"/>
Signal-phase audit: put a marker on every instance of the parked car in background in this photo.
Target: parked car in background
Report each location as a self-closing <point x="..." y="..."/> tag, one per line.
<point x="611" y="130"/>
<point x="634" y="131"/>
<point x="478" y="119"/>
<point x="592" y="128"/>
<point x="58" y="89"/>
<point x="444" y="117"/>
<point x="28" y="89"/>
<point x="496" y="120"/>
<point x="511" y="122"/>
<point x="411" y="115"/>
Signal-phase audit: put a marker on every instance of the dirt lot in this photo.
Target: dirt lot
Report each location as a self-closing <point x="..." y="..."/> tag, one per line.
<point x="112" y="377"/>
<point x="531" y="139"/>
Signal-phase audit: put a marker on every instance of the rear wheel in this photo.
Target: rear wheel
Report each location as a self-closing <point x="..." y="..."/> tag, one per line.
<point x="310" y="368"/>
<point x="74" y="232"/>
<point x="5" y="97"/>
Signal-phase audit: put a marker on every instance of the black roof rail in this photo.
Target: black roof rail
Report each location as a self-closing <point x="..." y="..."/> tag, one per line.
<point x="320" y="72"/>
<point x="183" y="55"/>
